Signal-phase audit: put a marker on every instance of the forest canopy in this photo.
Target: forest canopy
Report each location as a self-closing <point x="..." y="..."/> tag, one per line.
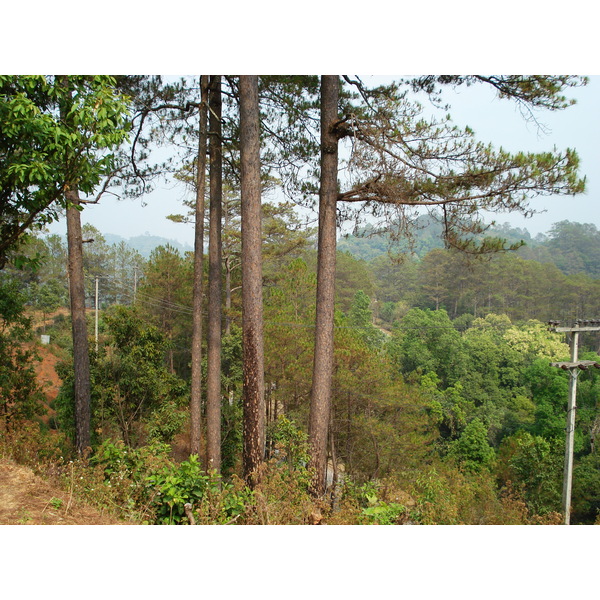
<point x="398" y="375"/>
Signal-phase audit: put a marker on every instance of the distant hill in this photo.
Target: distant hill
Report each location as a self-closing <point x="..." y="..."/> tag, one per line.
<point x="427" y="236"/>
<point x="572" y="247"/>
<point x="144" y="244"/>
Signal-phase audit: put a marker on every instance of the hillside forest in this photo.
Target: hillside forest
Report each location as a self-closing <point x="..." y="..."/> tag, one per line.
<point x="199" y="386"/>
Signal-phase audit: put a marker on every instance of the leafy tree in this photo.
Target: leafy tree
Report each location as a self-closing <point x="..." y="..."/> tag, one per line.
<point x="42" y="153"/>
<point x="533" y="464"/>
<point x="534" y="340"/>
<point x="289" y="319"/>
<point x="549" y="390"/>
<point x="59" y="140"/>
<point x="575" y="247"/>
<point x="586" y="490"/>
<point x="492" y="378"/>
<point x="165" y="293"/>
<point x="394" y="280"/>
<point x="134" y="394"/>
<point x="426" y="341"/>
<point x="472" y="449"/>
<point x="49" y="297"/>
<point x="361" y="316"/>
<point x="20" y="394"/>
<point x="448" y="407"/>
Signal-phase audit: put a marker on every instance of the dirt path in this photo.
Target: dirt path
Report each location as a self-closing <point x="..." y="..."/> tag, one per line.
<point x="26" y="499"/>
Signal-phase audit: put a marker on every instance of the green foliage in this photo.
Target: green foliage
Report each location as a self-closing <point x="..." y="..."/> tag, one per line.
<point x="149" y="486"/>
<point x="289" y="335"/>
<point x="178" y="485"/>
<point x="534" y="465"/>
<point x="586" y="490"/>
<point x="288" y="443"/>
<point x="360" y="316"/>
<point x="20" y="394"/>
<point x="165" y="297"/>
<point x="50" y="296"/>
<point x="42" y="152"/>
<point x="166" y="421"/>
<point x="447" y="495"/>
<point x="129" y="383"/>
<point x="373" y="509"/>
<point x="549" y="389"/>
<point x="146" y="477"/>
<point x="533" y="340"/>
<point x="232" y="362"/>
<point x="56" y="503"/>
<point x="425" y="341"/>
<point x="232" y="424"/>
<point x="448" y="407"/>
<point x="575" y="247"/>
<point x="472" y="449"/>
<point x="174" y="487"/>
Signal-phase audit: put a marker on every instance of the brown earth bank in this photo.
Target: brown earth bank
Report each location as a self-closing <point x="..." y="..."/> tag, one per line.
<point x="47" y="378"/>
<point x="26" y="499"/>
<point x="46" y="372"/>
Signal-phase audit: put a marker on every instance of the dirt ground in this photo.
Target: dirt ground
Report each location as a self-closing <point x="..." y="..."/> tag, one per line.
<point x="26" y="499"/>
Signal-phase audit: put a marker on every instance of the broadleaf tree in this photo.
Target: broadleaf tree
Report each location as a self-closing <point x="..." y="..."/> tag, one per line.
<point x="61" y="138"/>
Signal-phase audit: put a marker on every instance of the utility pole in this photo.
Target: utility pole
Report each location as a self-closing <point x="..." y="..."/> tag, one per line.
<point x="574" y="367"/>
<point x="96" y="320"/>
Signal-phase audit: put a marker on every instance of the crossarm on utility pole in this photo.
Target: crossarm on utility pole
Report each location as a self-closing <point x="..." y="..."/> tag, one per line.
<point x="574" y="367"/>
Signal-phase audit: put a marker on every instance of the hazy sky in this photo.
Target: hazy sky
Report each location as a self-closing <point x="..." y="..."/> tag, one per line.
<point x="496" y="121"/>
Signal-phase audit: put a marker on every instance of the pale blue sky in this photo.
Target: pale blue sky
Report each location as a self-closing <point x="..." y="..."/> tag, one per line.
<point x="496" y="121"/>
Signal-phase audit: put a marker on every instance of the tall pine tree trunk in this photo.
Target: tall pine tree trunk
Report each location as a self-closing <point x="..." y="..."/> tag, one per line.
<point x="252" y="307"/>
<point x="81" y="357"/>
<point x="213" y="380"/>
<point x="196" y="387"/>
<point x="320" y="404"/>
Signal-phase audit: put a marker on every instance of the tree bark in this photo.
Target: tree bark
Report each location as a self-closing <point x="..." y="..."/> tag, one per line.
<point x="320" y="404"/>
<point x="228" y="294"/>
<point x="213" y="383"/>
<point x="81" y="358"/>
<point x="252" y="306"/>
<point x="198" y="288"/>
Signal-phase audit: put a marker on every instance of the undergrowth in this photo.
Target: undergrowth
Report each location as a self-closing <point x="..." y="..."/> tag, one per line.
<point x="147" y="486"/>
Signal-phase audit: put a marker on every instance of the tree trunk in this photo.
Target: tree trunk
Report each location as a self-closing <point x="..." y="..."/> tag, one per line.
<point x="196" y="388"/>
<point x="320" y="404"/>
<point x="228" y="260"/>
<point x="213" y="383"/>
<point x="81" y="358"/>
<point x="228" y="294"/>
<point x="252" y="307"/>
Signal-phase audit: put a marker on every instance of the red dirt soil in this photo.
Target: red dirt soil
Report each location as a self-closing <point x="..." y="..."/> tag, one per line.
<point x="47" y="377"/>
<point x="28" y="499"/>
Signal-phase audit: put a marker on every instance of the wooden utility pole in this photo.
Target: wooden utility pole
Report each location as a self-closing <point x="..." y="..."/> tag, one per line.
<point x="574" y="367"/>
